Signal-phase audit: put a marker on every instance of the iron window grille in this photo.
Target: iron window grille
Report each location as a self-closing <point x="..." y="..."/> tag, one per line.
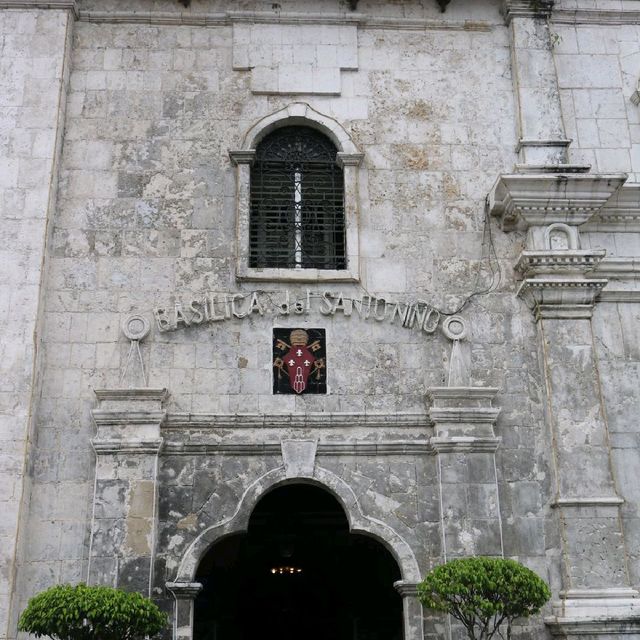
<point x="297" y="216"/>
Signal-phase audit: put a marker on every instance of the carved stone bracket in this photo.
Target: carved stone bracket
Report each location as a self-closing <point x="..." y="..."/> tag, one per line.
<point x="524" y="201"/>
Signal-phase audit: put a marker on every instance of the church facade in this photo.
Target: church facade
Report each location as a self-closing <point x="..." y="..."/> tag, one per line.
<point x="303" y="299"/>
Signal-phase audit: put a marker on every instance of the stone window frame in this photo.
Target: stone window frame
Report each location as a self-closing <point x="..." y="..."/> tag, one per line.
<point x="349" y="158"/>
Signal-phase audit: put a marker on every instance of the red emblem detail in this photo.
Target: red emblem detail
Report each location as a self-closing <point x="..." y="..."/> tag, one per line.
<point x="298" y="361"/>
<point x="299" y="364"/>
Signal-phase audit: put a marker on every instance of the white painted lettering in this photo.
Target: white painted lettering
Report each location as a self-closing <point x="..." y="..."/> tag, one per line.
<point x="326" y="306"/>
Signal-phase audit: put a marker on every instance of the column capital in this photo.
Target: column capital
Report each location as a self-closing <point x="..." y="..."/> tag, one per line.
<point x="129" y="420"/>
<point x="463" y="417"/>
<point x="561" y="298"/>
<point x="184" y="590"/>
<point x="406" y="589"/>
<point x="242" y="156"/>
<point x="526" y="9"/>
<point x="349" y="159"/>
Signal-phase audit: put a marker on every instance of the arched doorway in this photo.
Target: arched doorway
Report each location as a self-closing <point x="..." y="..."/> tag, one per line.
<point x="298" y="574"/>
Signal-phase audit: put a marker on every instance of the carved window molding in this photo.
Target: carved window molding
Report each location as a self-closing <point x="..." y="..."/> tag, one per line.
<point x="348" y="158"/>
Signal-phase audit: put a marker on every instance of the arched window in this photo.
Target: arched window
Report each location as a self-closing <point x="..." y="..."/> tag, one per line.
<point x="297" y="199"/>
<point x="297" y="218"/>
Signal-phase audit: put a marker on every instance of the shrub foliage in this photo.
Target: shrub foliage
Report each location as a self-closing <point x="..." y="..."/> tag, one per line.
<point x="484" y="593"/>
<point x="65" y="612"/>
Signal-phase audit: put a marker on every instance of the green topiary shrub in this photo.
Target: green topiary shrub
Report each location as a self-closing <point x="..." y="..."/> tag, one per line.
<point x="484" y="593"/>
<point x="91" y="613"/>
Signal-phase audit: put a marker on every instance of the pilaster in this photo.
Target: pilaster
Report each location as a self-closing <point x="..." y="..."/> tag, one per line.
<point x="596" y="598"/>
<point x="35" y="60"/>
<point x="542" y="139"/>
<point x="411" y="610"/>
<point x="465" y="444"/>
<point x="125" y="509"/>
<point x="184" y="594"/>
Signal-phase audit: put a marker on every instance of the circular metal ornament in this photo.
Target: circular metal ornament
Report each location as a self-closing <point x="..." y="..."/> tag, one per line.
<point x="136" y="327"/>
<point x="455" y="328"/>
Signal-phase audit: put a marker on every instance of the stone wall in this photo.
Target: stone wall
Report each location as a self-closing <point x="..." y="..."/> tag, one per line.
<point x="34" y="70"/>
<point x="597" y="68"/>
<point x="145" y="217"/>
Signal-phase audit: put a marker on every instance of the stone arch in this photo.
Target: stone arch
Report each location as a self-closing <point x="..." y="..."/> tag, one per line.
<point x="300" y="113"/>
<point x="323" y="478"/>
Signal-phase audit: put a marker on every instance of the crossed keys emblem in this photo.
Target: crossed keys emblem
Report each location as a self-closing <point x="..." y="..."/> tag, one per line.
<point x="297" y="361"/>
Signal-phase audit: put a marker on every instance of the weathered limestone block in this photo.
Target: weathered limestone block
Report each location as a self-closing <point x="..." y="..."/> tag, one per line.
<point x="295" y="58"/>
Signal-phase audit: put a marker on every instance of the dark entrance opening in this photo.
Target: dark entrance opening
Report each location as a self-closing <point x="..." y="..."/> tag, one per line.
<point x="298" y="574"/>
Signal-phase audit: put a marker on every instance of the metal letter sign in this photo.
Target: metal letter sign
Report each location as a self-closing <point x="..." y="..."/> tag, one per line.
<point x="299" y="361"/>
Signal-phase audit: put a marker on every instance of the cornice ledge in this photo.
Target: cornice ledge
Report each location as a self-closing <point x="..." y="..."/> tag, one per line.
<point x="524" y="200"/>
<point x="603" y="501"/>
<point x="595" y="16"/>
<point x="614" y="610"/>
<point x="465" y="444"/>
<point x="64" y="5"/>
<point x="457" y="393"/>
<point x="618" y="268"/>
<point x="106" y="447"/>
<point x="473" y="415"/>
<point x="105" y="417"/>
<point x="526" y="9"/>
<point x="360" y="448"/>
<point x="606" y="625"/>
<point x="620" y="295"/>
<point x="559" y="262"/>
<point x="142" y="393"/>
<point x="193" y="18"/>
<point x="287" y="420"/>
<point x="586" y="288"/>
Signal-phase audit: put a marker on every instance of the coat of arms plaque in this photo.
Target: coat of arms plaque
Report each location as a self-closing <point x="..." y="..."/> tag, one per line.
<point x="299" y="361"/>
